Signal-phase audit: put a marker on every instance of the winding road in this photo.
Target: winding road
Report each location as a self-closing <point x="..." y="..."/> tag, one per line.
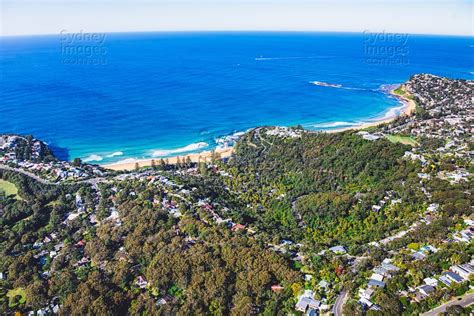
<point x="340" y="301"/>
<point x="92" y="181"/>
<point x="29" y="174"/>
<point x="464" y="301"/>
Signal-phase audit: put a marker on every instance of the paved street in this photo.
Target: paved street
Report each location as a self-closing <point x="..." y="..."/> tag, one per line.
<point x="466" y="300"/>
<point x="340" y="301"/>
<point x="29" y="174"/>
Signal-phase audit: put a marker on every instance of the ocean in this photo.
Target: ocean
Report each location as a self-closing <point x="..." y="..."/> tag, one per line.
<point x="120" y="96"/>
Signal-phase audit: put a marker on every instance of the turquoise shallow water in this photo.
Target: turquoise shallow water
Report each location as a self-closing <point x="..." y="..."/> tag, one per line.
<point x="137" y="95"/>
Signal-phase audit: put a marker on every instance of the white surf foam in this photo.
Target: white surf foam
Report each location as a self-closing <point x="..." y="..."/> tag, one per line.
<point x="185" y="149"/>
<point x="228" y="140"/>
<point x="115" y="154"/>
<point x="92" y="158"/>
<point x="128" y="160"/>
<point x="392" y="112"/>
<point x="335" y="124"/>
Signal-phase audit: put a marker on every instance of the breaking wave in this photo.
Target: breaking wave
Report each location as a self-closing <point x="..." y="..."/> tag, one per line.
<point x="185" y="149"/>
<point x="392" y="112"/>
<point x="228" y="140"/>
<point x="92" y="158"/>
<point x="115" y="154"/>
<point x="335" y="124"/>
<point x="128" y="160"/>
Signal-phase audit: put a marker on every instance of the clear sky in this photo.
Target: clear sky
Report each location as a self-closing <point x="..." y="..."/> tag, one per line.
<point x="411" y="16"/>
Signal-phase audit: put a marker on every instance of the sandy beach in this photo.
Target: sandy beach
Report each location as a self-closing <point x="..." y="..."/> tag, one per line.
<point x="195" y="157"/>
<point x="409" y="108"/>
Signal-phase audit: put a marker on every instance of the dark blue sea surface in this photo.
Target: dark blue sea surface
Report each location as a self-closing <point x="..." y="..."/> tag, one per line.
<point x="111" y="97"/>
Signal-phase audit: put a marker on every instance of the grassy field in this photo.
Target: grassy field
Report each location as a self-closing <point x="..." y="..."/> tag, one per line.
<point x="9" y="189"/>
<point x="16" y="292"/>
<point x="399" y="91"/>
<point x="406" y="140"/>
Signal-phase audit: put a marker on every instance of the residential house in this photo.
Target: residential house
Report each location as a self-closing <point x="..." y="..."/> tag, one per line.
<point x="453" y="277"/>
<point x="445" y="280"/>
<point x="431" y="281"/>
<point x="426" y="289"/>
<point x="463" y="270"/>
<point x="367" y="293"/>
<point x="376" y="283"/>
<point x="307" y="302"/>
<point x="377" y="277"/>
<point x="338" y="250"/>
<point x="365" y="302"/>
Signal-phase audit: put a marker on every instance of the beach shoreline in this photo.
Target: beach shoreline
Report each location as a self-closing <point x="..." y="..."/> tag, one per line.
<point x="206" y="156"/>
<point x="409" y="107"/>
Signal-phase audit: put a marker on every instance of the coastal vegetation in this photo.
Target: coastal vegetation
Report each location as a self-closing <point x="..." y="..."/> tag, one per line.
<point x="311" y="182"/>
<point x="292" y="217"/>
<point x="16" y="297"/>
<point x="8" y="188"/>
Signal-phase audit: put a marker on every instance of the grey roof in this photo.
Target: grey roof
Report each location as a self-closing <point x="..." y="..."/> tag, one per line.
<point x="376" y="283"/>
<point x="375" y="307"/>
<point x="445" y="280"/>
<point x="389" y="266"/>
<point x="426" y="288"/>
<point x="453" y="276"/>
<point x="302" y="304"/>
<point x="418" y="255"/>
<point x="468" y="267"/>
<point x="337" y="249"/>
<point x="381" y="270"/>
<point x="305" y="302"/>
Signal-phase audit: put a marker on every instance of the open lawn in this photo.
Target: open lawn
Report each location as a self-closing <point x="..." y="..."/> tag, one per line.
<point x="406" y="140"/>
<point x="12" y="294"/>
<point x="9" y="189"/>
<point x="399" y="91"/>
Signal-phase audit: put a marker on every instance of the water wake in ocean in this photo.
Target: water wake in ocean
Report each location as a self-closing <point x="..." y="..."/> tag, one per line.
<point x="171" y="100"/>
<point x="338" y="86"/>
<point x="289" y="58"/>
<point x="185" y="149"/>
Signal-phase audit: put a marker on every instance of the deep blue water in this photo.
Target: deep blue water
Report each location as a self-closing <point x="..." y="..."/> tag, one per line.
<point x="141" y="94"/>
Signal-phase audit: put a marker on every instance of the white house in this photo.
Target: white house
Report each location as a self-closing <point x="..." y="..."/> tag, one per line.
<point x="306" y="301"/>
<point x="464" y="270"/>
<point x="431" y="281"/>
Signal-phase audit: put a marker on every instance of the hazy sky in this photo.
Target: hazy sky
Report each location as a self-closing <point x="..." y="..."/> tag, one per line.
<point x="411" y="16"/>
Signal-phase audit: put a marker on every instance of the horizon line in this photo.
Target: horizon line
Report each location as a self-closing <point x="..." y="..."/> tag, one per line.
<point x="234" y="31"/>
